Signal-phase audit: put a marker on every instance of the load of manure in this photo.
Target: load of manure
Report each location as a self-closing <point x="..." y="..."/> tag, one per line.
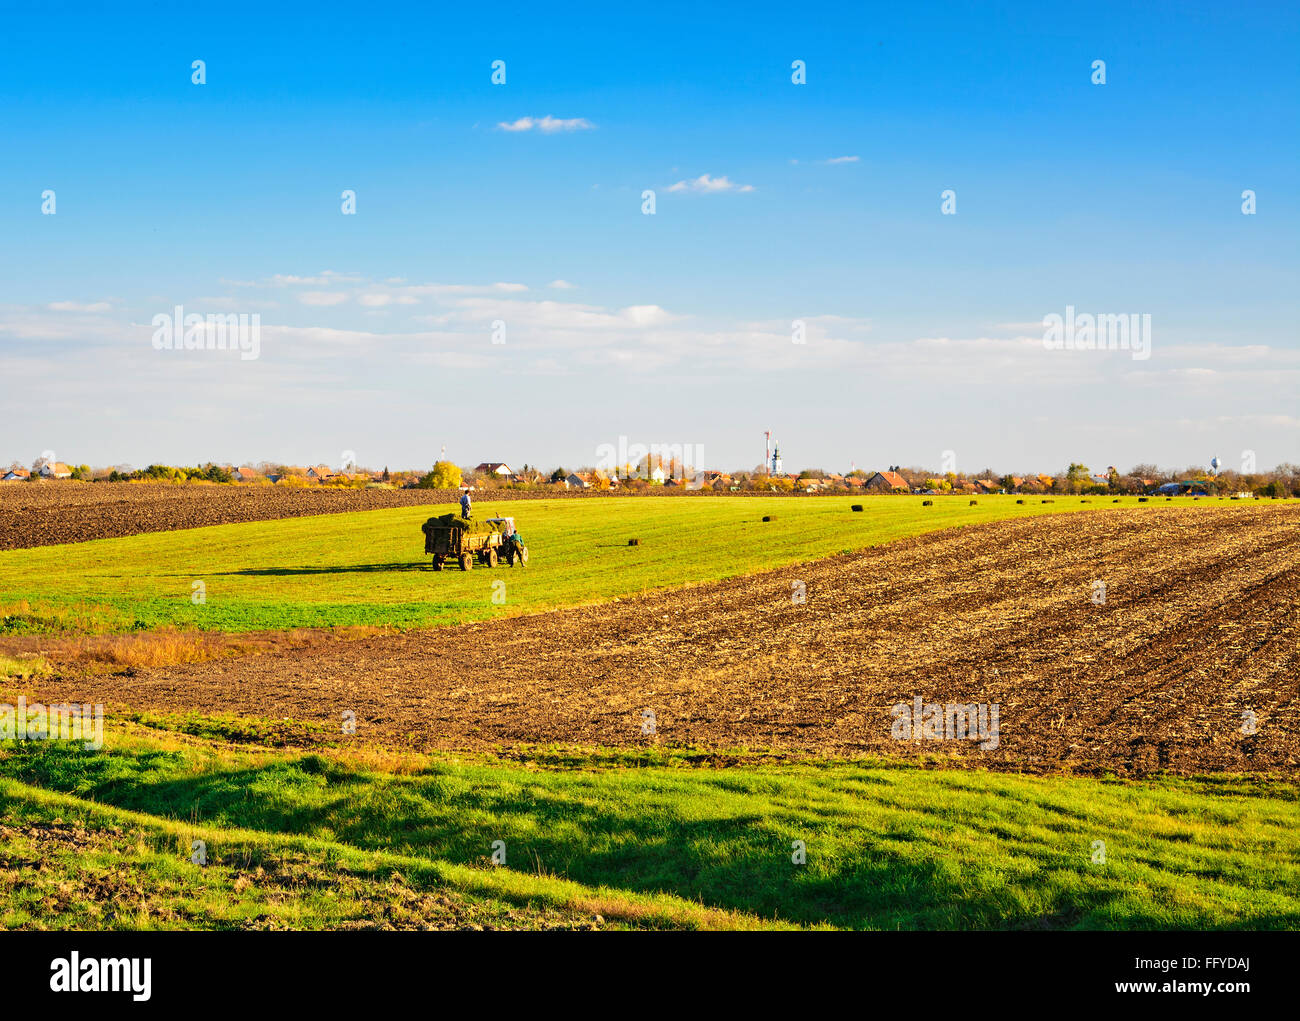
<point x="454" y="520"/>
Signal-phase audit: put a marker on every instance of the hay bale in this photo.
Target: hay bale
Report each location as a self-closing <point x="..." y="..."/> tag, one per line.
<point x="634" y="542"/>
<point x="1116" y="500"/>
<point x="1049" y="501"/>
<point x="974" y="502"/>
<point x="1020" y="501"/>
<point x="856" y="507"/>
<point x="770" y="517"/>
<point x="1142" y="499"/>
<point x="927" y="503"/>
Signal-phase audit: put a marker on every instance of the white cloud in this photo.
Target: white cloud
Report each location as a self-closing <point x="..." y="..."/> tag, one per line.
<point x="547" y="125"/>
<point x="1248" y="421"/>
<point x="561" y="285"/>
<point x="73" y="306"/>
<point x="379" y="299"/>
<point x="327" y="278"/>
<point x="842" y="159"/>
<point x="437" y="290"/>
<point x="707" y="185"/>
<point x="322" y="297"/>
<point x="562" y="315"/>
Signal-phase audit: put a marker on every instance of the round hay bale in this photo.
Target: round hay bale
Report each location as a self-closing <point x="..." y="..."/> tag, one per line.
<point x="1142" y="499"/>
<point x="1020" y="501"/>
<point x="1049" y="501"/>
<point x="927" y="503"/>
<point x="634" y="542"/>
<point x="769" y="517"/>
<point x="856" y="507"/>
<point x="974" y="502"/>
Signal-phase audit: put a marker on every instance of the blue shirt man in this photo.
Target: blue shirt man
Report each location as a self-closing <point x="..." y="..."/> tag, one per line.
<point x="464" y="505"/>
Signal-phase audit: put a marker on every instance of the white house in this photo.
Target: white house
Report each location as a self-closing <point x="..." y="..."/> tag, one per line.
<point x="494" y="468"/>
<point x="55" y="470"/>
<point x="16" y="475"/>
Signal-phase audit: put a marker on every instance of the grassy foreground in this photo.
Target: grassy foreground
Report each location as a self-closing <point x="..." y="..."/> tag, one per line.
<point x="369" y="568"/>
<point x="341" y="839"/>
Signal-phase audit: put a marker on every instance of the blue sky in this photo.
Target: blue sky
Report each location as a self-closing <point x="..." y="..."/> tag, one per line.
<point x="923" y="331"/>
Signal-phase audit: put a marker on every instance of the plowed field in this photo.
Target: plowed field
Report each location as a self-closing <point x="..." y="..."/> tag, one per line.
<point x="1191" y="664"/>
<point x="50" y="513"/>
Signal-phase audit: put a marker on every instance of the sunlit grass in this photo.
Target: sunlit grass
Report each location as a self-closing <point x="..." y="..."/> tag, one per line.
<point x="887" y="846"/>
<point x="370" y="569"/>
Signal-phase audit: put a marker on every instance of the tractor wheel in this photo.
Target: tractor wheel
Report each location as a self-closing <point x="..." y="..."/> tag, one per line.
<point x="437" y="563"/>
<point x="491" y="557"/>
<point x="466" y="562"/>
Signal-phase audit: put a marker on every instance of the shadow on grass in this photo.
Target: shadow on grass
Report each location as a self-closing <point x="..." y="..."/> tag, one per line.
<point x="685" y="837"/>
<point x="275" y="572"/>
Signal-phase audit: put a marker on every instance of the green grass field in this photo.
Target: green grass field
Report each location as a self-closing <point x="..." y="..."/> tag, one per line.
<point x="369" y="568"/>
<point x="351" y="837"/>
<point x="886" y="847"/>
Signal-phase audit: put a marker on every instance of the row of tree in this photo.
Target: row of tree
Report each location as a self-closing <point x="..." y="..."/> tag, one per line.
<point x="1077" y="478"/>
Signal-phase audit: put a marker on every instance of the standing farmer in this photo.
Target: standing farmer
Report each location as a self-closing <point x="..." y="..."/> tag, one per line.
<point x="464" y="505"/>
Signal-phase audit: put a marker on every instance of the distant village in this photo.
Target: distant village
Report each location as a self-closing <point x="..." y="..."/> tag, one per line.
<point x="657" y="474"/>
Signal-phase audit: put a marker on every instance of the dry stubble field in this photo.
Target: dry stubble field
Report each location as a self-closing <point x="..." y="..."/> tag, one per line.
<point x="1198" y="627"/>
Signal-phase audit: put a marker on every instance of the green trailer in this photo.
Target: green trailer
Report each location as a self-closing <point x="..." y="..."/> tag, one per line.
<point x="452" y="538"/>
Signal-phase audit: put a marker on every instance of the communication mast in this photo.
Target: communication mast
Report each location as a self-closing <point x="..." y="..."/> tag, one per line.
<point x="771" y="454"/>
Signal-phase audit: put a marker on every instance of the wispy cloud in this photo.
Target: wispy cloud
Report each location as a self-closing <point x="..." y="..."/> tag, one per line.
<point x="322" y="297"/>
<point x="378" y="299"/>
<point x="561" y="285"/>
<point x="326" y="279"/>
<point x="76" y="306"/>
<point x="706" y="185"/>
<point x="842" y="159"/>
<point x="438" y="290"/>
<point x="547" y="125"/>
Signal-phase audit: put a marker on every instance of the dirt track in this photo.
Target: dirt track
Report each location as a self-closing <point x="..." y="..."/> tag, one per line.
<point x="1199" y="625"/>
